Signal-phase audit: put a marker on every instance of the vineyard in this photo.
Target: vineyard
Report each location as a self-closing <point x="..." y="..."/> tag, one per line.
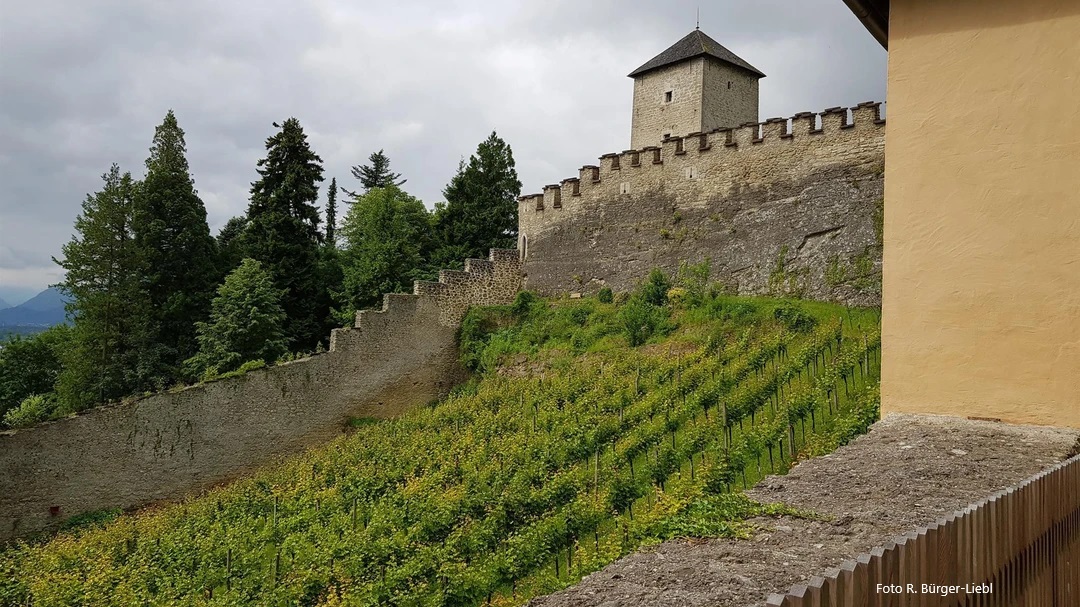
<point x="567" y="450"/>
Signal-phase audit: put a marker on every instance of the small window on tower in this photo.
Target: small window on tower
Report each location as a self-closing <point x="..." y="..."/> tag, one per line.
<point x="667" y="97"/>
<point x="729" y="84"/>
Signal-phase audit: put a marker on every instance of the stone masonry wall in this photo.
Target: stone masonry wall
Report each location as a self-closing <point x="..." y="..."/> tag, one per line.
<point x="653" y="116"/>
<point x="782" y="207"/>
<point x="725" y="105"/>
<point x="170" y="444"/>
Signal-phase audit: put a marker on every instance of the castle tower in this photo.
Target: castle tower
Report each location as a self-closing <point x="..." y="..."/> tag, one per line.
<point x="696" y="85"/>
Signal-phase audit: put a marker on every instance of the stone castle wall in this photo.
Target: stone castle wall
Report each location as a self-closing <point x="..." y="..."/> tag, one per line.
<point x="785" y="207"/>
<point x="169" y="444"/>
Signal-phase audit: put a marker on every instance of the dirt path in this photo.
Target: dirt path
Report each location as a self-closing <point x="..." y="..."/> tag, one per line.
<point x="909" y="470"/>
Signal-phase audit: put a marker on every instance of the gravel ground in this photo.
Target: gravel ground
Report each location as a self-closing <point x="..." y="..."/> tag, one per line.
<point x="907" y="471"/>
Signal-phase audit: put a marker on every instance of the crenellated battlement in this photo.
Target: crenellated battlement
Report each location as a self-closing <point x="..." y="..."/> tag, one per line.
<point x="785" y="206"/>
<point x="174" y="442"/>
<point x="805" y="132"/>
<point x="496" y="279"/>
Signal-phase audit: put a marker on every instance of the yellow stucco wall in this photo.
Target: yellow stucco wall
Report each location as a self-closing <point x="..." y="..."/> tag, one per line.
<point x="981" y="301"/>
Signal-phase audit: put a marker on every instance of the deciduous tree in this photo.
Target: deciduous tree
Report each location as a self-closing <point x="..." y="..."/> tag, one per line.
<point x="386" y="235"/>
<point x="31" y="365"/>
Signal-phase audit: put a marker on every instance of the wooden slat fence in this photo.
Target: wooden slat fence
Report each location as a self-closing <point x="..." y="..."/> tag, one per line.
<point x="1019" y="547"/>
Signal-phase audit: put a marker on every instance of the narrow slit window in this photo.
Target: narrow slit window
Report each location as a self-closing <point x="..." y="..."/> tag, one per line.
<point x="729" y="85"/>
<point x="667" y="96"/>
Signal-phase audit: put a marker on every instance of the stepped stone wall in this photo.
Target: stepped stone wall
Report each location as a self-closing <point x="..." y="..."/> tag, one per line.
<point x="785" y="207"/>
<point x="170" y="444"/>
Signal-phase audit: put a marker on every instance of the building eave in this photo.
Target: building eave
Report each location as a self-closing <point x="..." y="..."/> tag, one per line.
<point x="874" y="15"/>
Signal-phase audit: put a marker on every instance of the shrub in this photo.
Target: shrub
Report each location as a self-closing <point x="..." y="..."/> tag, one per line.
<point x="641" y="319"/>
<point x="33" y="409"/>
<point x="694" y="280"/>
<point x="523" y="303"/>
<point x="655" y="288"/>
<point x="579" y="315"/>
<point x="795" y="319"/>
<point x="605" y="295"/>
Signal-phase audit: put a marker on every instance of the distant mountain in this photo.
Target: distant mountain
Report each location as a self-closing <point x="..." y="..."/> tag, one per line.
<point x="3" y="304"/>
<point x="42" y="310"/>
<point x="49" y="299"/>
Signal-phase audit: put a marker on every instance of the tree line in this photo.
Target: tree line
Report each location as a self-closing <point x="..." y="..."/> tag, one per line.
<point x="157" y="300"/>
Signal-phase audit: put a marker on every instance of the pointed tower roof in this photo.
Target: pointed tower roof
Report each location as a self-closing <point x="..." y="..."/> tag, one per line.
<point x="695" y="44"/>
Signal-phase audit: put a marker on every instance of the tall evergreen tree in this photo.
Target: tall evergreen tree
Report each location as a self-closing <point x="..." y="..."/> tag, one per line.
<point x="374" y="175"/>
<point x="103" y="277"/>
<point x="283" y="231"/>
<point x="230" y="244"/>
<point x="331" y="214"/>
<point x="174" y="239"/>
<point x="481" y="205"/>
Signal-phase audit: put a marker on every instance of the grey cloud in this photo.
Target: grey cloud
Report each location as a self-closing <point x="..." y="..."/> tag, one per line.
<point x="84" y="84"/>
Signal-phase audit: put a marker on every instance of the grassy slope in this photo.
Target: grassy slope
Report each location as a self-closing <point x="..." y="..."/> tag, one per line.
<point x="569" y="450"/>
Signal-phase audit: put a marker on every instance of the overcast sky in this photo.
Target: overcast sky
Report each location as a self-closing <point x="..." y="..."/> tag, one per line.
<point x="84" y="83"/>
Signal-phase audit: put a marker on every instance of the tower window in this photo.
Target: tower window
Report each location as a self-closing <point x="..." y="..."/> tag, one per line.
<point x="729" y="85"/>
<point x="667" y="97"/>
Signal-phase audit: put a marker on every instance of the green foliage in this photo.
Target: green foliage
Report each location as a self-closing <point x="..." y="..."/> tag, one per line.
<point x="605" y="296"/>
<point x="879" y="221"/>
<point x="92" y="519"/>
<point x="524" y="302"/>
<point x="694" y="280"/>
<point x="858" y="272"/>
<point x="719" y="515"/>
<point x="654" y="289"/>
<point x="331" y="214"/>
<point x="481" y="205"/>
<point x="641" y="319"/>
<point x="283" y="231"/>
<point x="568" y="457"/>
<point x="385" y="237"/>
<point x="374" y="175"/>
<point x="178" y="254"/>
<point x="230" y="244"/>
<point x="246" y="323"/>
<point x="623" y="491"/>
<point x="250" y="365"/>
<point x="795" y="318"/>
<point x="476" y="332"/>
<point x="111" y="337"/>
<point x="31" y="365"/>
<point x="33" y="409"/>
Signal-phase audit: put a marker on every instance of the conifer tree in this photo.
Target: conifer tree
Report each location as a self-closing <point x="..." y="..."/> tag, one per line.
<point x="480" y="212"/>
<point x="103" y="277"/>
<point x="374" y="175"/>
<point x="283" y="231"/>
<point x="246" y="323"/>
<point x="230" y="244"/>
<point x="173" y="237"/>
<point x="331" y="214"/>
